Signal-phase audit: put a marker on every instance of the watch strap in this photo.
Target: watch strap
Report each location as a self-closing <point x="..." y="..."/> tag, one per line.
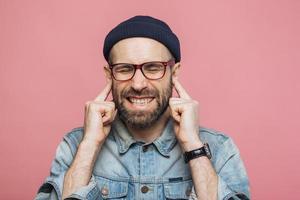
<point x="202" y="151"/>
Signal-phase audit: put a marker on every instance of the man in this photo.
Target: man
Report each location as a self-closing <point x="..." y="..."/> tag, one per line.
<point x="145" y="143"/>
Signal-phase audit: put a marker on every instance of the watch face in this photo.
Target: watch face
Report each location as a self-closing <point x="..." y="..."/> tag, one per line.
<point x="207" y="150"/>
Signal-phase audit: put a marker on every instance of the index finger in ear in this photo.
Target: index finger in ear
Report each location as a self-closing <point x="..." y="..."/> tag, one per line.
<point x="105" y="92"/>
<point x="180" y="90"/>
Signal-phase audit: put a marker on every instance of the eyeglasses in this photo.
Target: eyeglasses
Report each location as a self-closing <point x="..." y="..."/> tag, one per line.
<point x="151" y="70"/>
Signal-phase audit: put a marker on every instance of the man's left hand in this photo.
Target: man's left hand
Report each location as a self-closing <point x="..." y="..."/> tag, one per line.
<point x="184" y="110"/>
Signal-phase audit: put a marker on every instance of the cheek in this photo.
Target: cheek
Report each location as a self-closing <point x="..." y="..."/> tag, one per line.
<point x="161" y="89"/>
<point x="162" y="85"/>
<point x="117" y="89"/>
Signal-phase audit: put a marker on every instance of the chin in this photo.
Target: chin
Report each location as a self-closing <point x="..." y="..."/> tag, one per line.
<point x="139" y="119"/>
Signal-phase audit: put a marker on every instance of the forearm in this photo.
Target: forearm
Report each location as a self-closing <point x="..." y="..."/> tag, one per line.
<point x="205" y="178"/>
<point x="81" y="169"/>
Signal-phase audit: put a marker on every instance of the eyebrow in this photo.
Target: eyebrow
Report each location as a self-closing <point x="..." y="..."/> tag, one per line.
<point x="160" y="60"/>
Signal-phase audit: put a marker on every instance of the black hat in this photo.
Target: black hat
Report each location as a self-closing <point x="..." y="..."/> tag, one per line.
<point x="143" y="26"/>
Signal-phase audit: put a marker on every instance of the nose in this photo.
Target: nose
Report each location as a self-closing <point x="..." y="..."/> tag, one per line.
<point x="139" y="81"/>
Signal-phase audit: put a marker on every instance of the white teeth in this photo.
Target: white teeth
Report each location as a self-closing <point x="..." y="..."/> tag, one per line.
<point x="140" y="100"/>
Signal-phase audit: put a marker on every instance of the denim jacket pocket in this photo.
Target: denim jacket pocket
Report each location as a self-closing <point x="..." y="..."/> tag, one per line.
<point x="178" y="190"/>
<point x="111" y="189"/>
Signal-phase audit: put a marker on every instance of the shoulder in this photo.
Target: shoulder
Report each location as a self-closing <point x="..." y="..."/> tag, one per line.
<point x="73" y="138"/>
<point x="220" y="143"/>
<point x="75" y="134"/>
<point x="210" y="135"/>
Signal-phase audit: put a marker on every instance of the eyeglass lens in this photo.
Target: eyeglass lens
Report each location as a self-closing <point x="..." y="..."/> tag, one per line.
<point x="151" y="70"/>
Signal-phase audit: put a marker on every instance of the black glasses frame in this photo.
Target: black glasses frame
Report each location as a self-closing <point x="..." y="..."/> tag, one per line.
<point x="140" y="66"/>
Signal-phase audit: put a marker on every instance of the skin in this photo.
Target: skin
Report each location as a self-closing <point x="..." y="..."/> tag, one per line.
<point x="100" y="113"/>
<point x="137" y="50"/>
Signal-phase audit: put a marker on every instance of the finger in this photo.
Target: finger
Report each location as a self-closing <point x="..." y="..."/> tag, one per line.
<point x="175" y="113"/>
<point x="98" y="106"/>
<point x="105" y="92"/>
<point x="174" y="100"/>
<point x="111" y="118"/>
<point x="105" y="103"/>
<point x="180" y="90"/>
<point x="179" y="108"/>
<point x="108" y="116"/>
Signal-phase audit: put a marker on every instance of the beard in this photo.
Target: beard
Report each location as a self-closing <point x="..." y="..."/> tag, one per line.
<point x="142" y="119"/>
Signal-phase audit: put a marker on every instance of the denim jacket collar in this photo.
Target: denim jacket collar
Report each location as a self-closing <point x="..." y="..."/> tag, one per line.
<point x="124" y="139"/>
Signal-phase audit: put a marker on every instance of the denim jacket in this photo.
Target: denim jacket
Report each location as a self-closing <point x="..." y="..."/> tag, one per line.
<point x="130" y="169"/>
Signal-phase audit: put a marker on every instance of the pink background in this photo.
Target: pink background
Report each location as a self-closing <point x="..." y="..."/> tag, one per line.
<point x="240" y="60"/>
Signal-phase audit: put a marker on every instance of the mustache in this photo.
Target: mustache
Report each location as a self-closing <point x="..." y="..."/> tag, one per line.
<point x="145" y="92"/>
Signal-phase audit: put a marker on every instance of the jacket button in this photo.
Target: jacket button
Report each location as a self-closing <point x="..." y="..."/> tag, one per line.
<point x="144" y="189"/>
<point x="145" y="148"/>
<point x="104" y="191"/>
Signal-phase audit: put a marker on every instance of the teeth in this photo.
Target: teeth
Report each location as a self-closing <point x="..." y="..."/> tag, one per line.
<point x="140" y="101"/>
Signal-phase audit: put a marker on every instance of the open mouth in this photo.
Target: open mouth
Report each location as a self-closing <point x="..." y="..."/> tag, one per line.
<point x="140" y="100"/>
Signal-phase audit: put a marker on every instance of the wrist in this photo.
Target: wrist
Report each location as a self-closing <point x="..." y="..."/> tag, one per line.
<point x="189" y="146"/>
<point x="92" y="139"/>
<point x="199" y="152"/>
<point x="86" y="155"/>
<point x="90" y="144"/>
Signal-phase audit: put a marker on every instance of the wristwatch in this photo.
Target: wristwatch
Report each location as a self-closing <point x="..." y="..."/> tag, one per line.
<point x="203" y="151"/>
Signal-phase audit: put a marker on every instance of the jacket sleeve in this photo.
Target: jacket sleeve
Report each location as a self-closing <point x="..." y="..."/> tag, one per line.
<point x="52" y="187"/>
<point x="233" y="183"/>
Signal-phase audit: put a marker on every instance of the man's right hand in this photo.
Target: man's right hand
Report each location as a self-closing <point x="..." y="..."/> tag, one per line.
<point x="99" y="114"/>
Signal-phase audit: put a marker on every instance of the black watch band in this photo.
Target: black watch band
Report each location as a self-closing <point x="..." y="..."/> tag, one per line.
<point x="203" y="151"/>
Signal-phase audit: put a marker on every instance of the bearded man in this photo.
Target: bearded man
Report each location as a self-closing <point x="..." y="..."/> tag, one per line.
<point x="146" y="143"/>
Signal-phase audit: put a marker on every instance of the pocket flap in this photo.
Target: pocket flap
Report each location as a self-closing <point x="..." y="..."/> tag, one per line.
<point x="111" y="188"/>
<point x="178" y="190"/>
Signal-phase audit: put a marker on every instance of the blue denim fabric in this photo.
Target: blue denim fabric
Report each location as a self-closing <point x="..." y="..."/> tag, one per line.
<point x="125" y="166"/>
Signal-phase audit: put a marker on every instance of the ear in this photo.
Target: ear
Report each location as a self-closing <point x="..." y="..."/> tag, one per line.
<point x="175" y="70"/>
<point x="107" y="72"/>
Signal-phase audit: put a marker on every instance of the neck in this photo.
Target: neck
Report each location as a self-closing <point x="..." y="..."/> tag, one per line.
<point x="150" y="134"/>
